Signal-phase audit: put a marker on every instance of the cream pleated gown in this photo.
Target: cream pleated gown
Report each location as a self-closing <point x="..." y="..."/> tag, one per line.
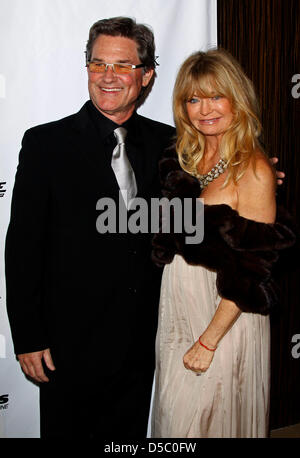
<point x="231" y="399"/>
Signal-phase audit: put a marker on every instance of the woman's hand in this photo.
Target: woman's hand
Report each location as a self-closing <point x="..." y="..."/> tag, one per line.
<point x="197" y="358"/>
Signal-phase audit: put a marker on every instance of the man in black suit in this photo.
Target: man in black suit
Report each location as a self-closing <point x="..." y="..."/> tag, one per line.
<point x="83" y="305"/>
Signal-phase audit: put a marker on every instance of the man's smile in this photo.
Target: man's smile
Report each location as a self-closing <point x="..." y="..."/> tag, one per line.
<point x="111" y="89"/>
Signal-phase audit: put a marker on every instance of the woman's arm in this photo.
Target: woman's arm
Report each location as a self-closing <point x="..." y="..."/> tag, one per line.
<point x="256" y="200"/>
<point x="198" y="358"/>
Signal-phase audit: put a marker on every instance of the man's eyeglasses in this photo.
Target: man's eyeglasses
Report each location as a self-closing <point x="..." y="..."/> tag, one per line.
<point x="119" y="69"/>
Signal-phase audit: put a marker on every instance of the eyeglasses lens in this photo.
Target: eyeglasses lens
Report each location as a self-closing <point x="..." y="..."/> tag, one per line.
<point x="98" y="67"/>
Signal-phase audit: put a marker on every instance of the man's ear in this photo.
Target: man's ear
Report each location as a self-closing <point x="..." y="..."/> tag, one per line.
<point x="147" y="77"/>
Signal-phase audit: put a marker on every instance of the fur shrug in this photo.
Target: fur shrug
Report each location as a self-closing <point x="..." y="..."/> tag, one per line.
<point x="242" y="252"/>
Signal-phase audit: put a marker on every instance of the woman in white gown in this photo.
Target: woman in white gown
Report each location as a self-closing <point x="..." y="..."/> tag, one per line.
<point x="213" y="352"/>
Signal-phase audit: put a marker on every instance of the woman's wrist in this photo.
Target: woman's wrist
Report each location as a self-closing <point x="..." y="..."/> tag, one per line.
<point x="206" y="346"/>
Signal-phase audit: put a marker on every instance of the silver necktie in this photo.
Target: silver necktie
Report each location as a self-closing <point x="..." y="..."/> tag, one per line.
<point x="122" y="168"/>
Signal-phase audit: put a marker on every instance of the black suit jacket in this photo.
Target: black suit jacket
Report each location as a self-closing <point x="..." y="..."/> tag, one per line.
<point x="92" y="298"/>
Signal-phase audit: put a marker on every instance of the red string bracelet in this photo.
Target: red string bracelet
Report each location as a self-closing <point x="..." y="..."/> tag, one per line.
<point x="210" y="349"/>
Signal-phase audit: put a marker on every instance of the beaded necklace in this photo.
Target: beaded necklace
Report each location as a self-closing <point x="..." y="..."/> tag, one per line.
<point x="216" y="171"/>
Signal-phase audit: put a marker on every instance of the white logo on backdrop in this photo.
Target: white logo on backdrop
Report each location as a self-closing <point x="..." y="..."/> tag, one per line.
<point x="2" y="86"/>
<point x="2" y="346"/>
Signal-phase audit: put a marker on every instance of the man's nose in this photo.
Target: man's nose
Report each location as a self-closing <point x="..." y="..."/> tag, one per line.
<point x="205" y="106"/>
<point x="109" y="73"/>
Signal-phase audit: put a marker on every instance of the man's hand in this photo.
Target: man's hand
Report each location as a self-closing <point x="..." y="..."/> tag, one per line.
<point x="31" y="364"/>
<point x="279" y="175"/>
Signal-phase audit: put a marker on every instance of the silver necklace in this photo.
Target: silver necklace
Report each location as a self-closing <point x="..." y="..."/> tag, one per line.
<point x="216" y="171"/>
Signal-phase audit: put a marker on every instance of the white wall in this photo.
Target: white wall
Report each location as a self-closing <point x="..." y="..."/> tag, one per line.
<point x="43" y="78"/>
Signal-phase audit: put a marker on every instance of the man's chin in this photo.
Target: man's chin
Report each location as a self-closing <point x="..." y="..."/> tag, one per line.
<point x="116" y="114"/>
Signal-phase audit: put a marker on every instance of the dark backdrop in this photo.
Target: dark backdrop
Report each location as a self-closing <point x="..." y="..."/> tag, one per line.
<point x="264" y="35"/>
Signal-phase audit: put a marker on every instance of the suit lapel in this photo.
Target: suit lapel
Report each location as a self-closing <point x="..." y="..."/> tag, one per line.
<point x="87" y="142"/>
<point x="141" y="155"/>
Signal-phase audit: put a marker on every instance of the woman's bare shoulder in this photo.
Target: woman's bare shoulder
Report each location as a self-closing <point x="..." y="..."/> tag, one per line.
<point x="256" y="190"/>
<point x="260" y="172"/>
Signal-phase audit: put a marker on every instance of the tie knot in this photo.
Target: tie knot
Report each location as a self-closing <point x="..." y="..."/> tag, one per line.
<point x="120" y="134"/>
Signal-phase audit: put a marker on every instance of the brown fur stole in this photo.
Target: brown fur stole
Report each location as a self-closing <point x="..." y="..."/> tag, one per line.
<point x="242" y="252"/>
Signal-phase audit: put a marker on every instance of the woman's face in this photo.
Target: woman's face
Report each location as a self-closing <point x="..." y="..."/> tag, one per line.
<point x="211" y="116"/>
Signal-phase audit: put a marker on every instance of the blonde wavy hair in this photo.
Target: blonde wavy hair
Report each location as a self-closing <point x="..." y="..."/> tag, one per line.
<point x="209" y="74"/>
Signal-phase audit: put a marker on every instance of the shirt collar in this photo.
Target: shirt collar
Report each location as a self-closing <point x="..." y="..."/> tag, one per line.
<point x="106" y="126"/>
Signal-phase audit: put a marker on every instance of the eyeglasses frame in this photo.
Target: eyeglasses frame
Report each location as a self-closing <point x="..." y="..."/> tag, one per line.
<point x="133" y="67"/>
